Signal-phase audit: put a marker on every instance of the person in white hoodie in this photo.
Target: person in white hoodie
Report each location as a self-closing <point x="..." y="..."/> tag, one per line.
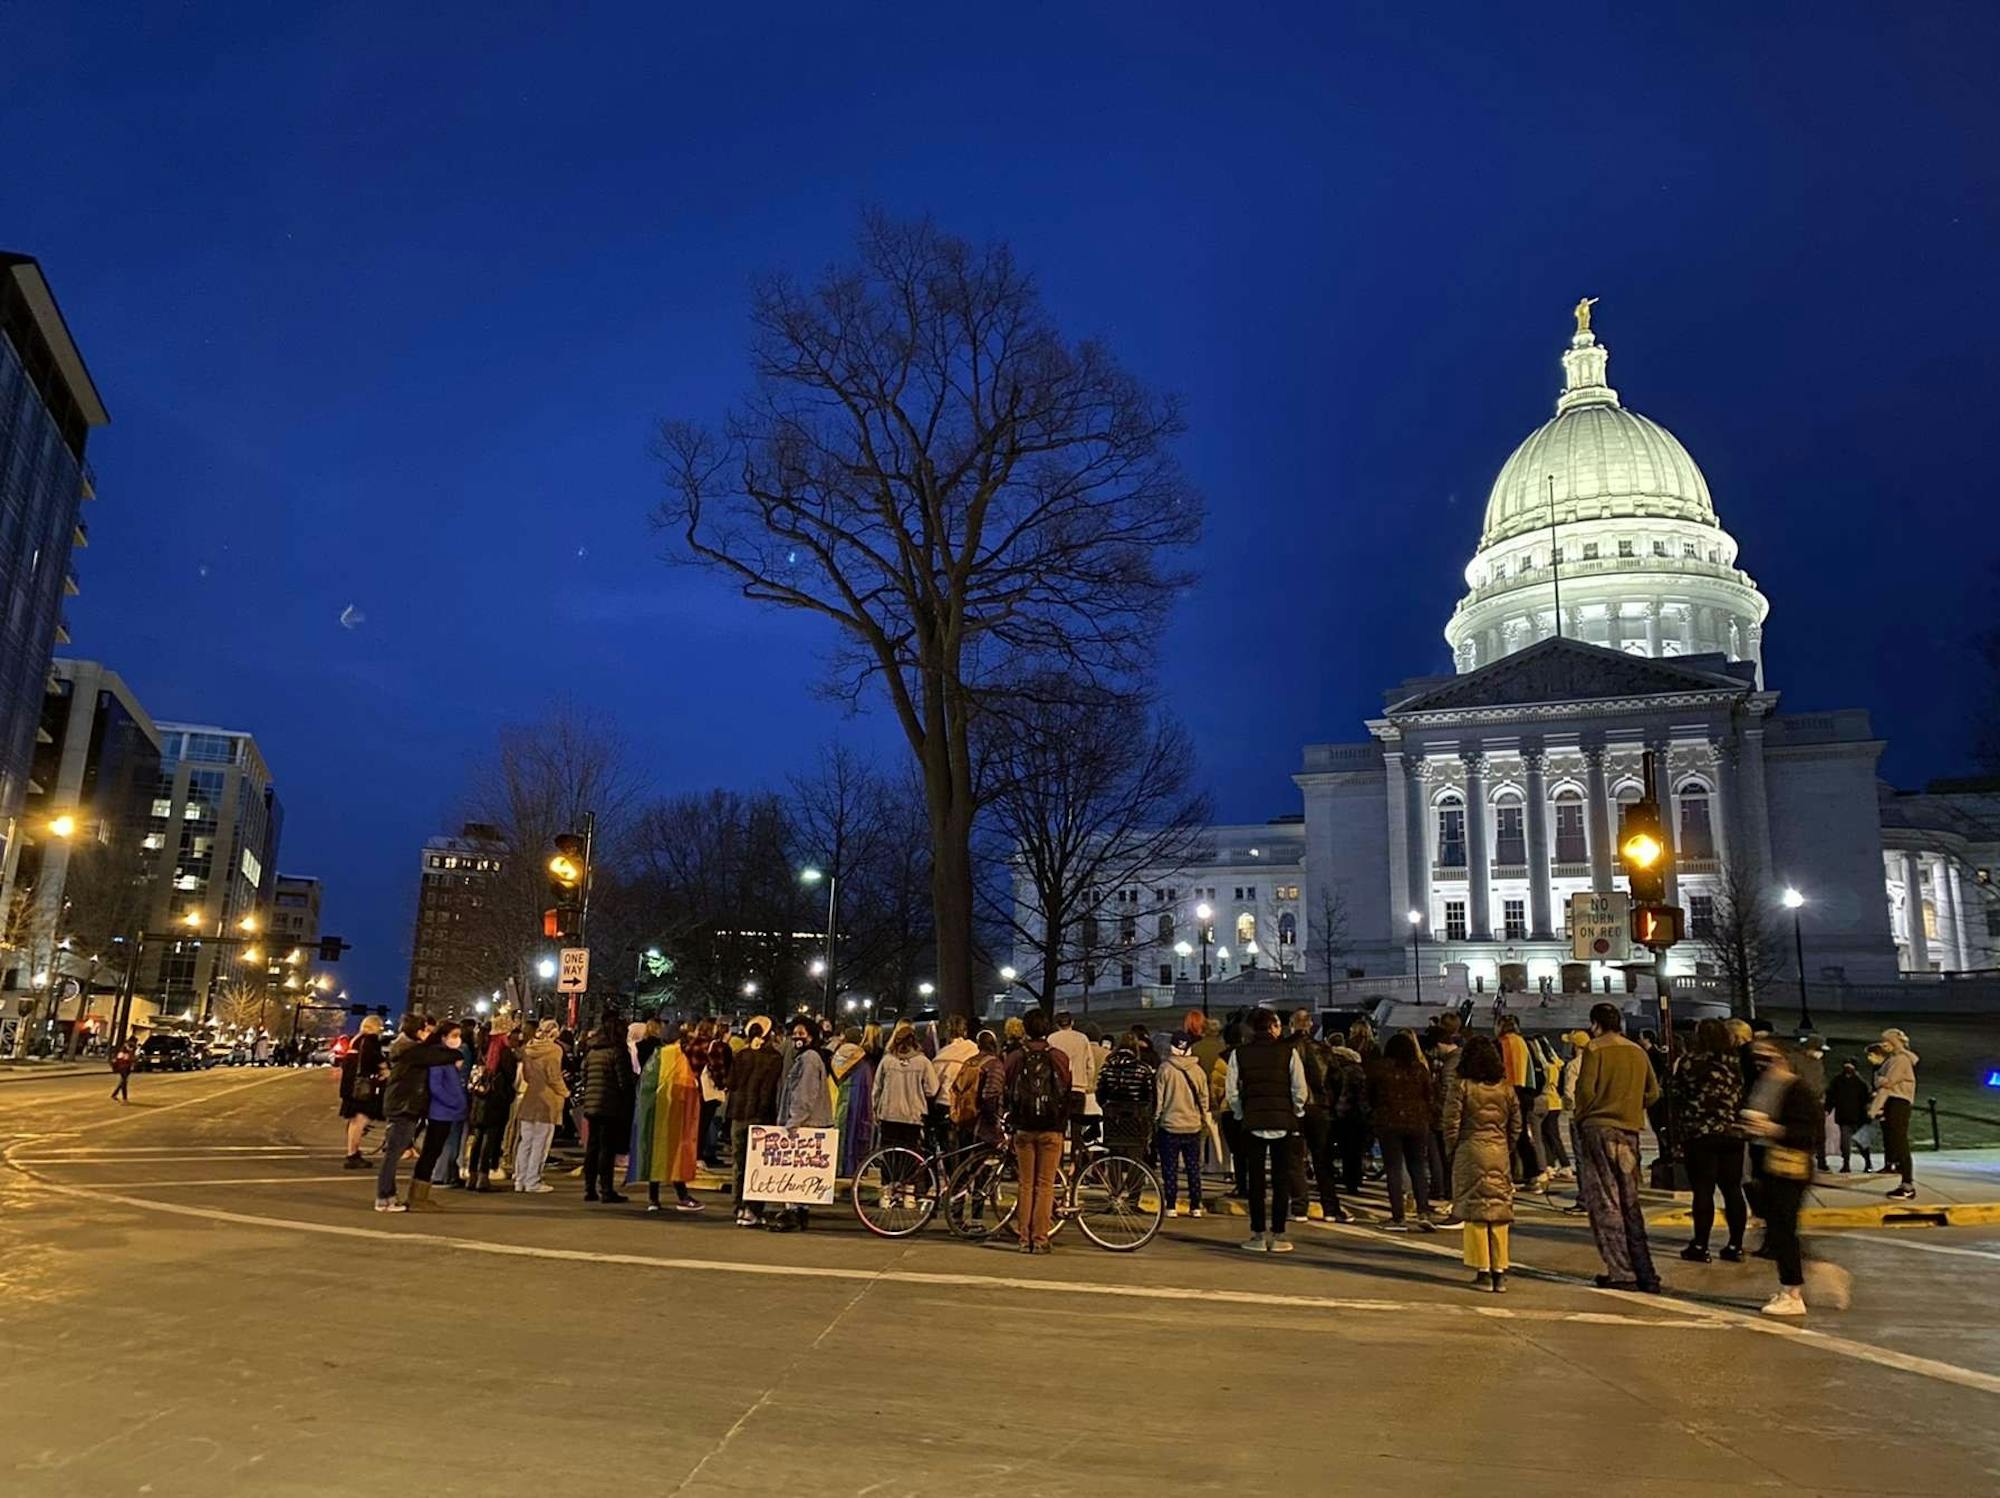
<point x="1181" y="1122"/>
<point x="1895" y="1095"/>
<point x="954" y="1053"/>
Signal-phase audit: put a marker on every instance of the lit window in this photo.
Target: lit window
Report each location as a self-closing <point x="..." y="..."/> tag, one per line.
<point x="152" y="842"/>
<point x="1454" y="920"/>
<point x="163" y="808"/>
<point x="1246" y="929"/>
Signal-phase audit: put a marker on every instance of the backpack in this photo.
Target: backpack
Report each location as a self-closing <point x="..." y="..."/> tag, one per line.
<point x="1038" y="1100"/>
<point x="965" y="1092"/>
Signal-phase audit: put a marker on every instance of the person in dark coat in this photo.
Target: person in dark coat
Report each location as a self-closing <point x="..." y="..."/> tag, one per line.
<point x="1265" y="1088"/>
<point x="492" y="1089"/>
<point x="1847" y="1099"/>
<point x="406" y="1104"/>
<point x="444" y="1116"/>
<point x="1787" y="1115"/>
<point x="607" y="1103"/>
<point x="362" y="1073"/>
<point x="755" y="1074"/>
<point x="1399" y="1102"/>
<point x="1708" y="1096"/>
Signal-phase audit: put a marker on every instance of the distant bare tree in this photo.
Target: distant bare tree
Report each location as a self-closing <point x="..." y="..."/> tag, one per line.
<point x="1090" y="796"/>
<point x="1327" y="936"/>
<point x="540" y="780"/>
<point x="245" y="1002"/>
<point x="926" y="463"/>
<point x="1747" y="941"/>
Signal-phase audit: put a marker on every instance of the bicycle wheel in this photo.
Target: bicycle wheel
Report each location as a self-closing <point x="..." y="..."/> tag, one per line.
<point x="982" y="1197"/>
<point x="1117" y="1204"/>
<point x="895" y="1192"/>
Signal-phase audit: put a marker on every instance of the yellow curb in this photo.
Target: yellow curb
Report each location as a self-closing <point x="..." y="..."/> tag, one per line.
<point x="1884" y="1215"/>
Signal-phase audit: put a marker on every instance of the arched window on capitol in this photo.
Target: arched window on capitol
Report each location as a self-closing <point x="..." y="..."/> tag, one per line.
<point x="1510" y="837"/>
<point x="1696" y="834"/>
<point x="1288" y="930"/>
<point x="1572" y="843"/>
<point x="1451" y="831"/>
<point x="1166" y="930"/>
<point x="1246" y="929"/>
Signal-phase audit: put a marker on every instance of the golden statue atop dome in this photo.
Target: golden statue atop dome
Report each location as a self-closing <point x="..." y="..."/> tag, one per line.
<point x="1583" y="306"/>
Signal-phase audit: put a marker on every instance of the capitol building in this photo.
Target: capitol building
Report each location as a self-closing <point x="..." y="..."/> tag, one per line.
<point x="1605" y="618"/>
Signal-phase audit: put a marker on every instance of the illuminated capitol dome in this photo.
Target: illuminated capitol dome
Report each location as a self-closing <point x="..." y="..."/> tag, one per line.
<point x="1606" y="509"/>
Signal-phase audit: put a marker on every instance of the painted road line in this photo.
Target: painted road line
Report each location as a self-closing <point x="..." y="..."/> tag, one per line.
<point x="1875" y="1215"/>
<point x="86" y="1154"/>
<point x="351" y="1175"/>
<point x="1903" y="1240"/>
<point x="1866" y="1352"/>
<point x="925" y="1279"/>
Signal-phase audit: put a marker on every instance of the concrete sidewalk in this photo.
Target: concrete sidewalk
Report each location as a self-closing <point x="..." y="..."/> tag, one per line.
<point x="41" y="1071"/>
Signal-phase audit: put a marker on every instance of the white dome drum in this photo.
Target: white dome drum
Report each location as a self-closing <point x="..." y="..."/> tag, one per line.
<point x="1609" y="506"/>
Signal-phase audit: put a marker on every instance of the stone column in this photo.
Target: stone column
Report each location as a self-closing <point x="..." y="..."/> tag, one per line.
<point x="1653" y="629"/>
<point x="1537" y="763"/>
<point x="1599" y="813"/>
<point x="1479" y="924"/>
<point x="1947" y="906"/>
<point x="1913" y="914"/>
<point x="1417" y="831"/>
<point x="1402" y="851"/>
<point x="1974" y="950"/>
<point x="1754" y="812"/>
<point x="1687" y="630"/>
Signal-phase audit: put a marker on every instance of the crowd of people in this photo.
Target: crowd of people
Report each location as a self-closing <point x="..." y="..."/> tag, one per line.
<point x="1292" y="1112"/>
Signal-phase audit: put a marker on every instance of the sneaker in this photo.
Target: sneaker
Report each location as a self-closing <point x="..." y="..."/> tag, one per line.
<point x="1027" y="1248"/>
<point x="1500" y="1283"/>
<point x="1279" y="1244"/>
<point x="390" y="1204"/>
<point x="1606" y="1282"/>
<point x="540" y="1188"/>
<point x="1733" y="1254"/>
<point x="1314" y="1212"/>
<point x="1194" y="1211"/>
<point x="1175" y="1212"/>
<point x="614" y="1198"/>
<point x="1480" y="1279"/>
<point x="1254" y="1244"/>
<point x="1425" y="1224"/>
<point x="1787" y="1302"/>
<point x="1903" y="1194"/>
<point x="1694" y="1253"/>
<point x="1395" y="1225"/>
<point x="355" y="1162"/>
<point x="687" y="1204"/>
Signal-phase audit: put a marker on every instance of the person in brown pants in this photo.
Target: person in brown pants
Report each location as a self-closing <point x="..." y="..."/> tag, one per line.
<point x="1038" y="1101"/>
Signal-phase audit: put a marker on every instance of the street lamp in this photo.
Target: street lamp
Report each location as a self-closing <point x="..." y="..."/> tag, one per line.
<point x="1183" y="951"/>
<point x="925" y="990"/>
<point x="1416" y="920"/>
<point x="1008" y="975"/>
<point x="817" y="967"/>
<point x="810" y="876"/>
<point x="546" y="968"/>
<point x="1794" y="902"/>
<point x="63" y="826"/>
<point x="750" y="988"/>
<point x="1204" y="933"/>
<point x="1250" y="952"/>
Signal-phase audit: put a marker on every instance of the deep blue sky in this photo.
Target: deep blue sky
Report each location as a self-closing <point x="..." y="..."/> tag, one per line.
<point x="386" y="300"/>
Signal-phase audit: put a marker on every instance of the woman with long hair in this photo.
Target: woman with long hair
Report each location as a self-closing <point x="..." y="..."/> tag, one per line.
<point x="362" y="1074"/>
<point x="1708" y="1097"/>
<point x="1480" y="1127"/>
<point x="1785" y="1114"/>
<point x="667" y="1120"/>
<point x="1399" y="1101"/>
<point x="906" y="1083"/>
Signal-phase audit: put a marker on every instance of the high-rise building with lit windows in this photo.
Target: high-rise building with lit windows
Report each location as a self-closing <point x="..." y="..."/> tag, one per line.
<point x="214" y="829"/>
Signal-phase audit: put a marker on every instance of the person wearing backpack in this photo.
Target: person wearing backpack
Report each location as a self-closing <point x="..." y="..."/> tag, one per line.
<point x="967" y="1089"/>
<point x="1038" y="1101"/>
<point x="957" y="1050"/>
<point x="1181" y="1119"/>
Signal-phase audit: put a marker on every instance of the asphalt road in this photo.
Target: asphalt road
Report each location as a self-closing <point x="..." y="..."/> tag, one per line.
<point x="195" y="1300"/>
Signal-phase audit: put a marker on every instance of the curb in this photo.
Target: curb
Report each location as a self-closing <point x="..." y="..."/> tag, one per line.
<point x="1886" y="1215"/>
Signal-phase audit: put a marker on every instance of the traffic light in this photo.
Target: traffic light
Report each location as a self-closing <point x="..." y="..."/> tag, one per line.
<point x="567" y="869"/>
<point x="1642" y="849"/>
<point x="1658" y="926"/>
<point x="330" y="948"/>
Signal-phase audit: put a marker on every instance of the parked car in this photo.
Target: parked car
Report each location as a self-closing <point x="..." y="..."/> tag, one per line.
<point x="168" y="1053"/>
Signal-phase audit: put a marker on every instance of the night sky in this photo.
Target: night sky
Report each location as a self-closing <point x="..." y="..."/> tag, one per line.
<point x="385" y="305"/>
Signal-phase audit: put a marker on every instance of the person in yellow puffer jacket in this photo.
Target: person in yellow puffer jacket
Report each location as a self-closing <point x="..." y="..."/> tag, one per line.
<point x="1549" y="1110"/>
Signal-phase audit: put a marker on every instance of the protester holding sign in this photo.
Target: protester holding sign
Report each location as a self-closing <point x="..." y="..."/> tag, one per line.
<point x="804" y="1103"/>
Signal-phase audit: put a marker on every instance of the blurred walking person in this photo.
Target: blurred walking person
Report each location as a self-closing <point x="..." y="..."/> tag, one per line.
<point x="1615" y="1086"/>
<point x="1480" y="1128"/>
<point x="126" y="1057"/>
<point x="1784" y="1112"/>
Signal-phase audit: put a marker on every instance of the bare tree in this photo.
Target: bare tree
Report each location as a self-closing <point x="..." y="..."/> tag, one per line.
<point x="245" y="1002"/>
<point x="1745" y="940"/>
<point x="1091" y="795"/>
<point x="1327" y="934"/>
<point x="541" y="779"/>
<point x="926" y="463"/>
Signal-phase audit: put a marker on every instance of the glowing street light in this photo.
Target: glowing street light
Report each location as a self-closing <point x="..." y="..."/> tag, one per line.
<point x="817" y="967"/>
<point x="247" y="924"/>
<point x="1416" y="920"/>
<point x="480" y="1006"/>
<point x="63" y="826"/>
<point x="925" y="990"/>
<point x="1008" y="975"/>
<point x="546" y="968"/>
<point x="750" y="989"/>
<point x="1793" y="901"/>
<point x="192" y="918"/>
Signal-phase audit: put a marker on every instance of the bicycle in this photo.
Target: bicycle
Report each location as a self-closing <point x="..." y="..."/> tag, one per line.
<point x="1114" y="1200"/>
<point x="897" y="1190"/>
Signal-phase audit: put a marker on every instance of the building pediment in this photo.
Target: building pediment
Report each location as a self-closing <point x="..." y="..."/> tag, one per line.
<point x="1565" y="671"/>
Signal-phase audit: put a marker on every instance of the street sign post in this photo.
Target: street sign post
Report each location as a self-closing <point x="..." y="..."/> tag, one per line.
<point x="1600" y="924"/>
<point x="573" y="971"/>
